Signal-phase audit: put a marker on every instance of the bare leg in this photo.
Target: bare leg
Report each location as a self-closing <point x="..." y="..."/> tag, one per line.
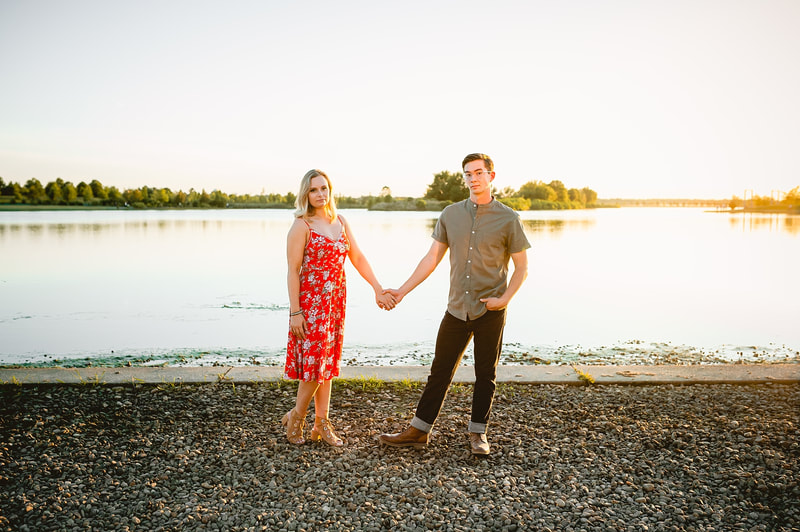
<point x="296" y="417"/>
<point x="305" y="391"/>
<point x="322" y="400"/>
<point x="323" y="430"/>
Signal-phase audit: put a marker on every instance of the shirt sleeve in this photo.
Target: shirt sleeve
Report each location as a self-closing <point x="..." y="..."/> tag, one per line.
<point x="440" y="232"/>
<point x="517" y="241"/>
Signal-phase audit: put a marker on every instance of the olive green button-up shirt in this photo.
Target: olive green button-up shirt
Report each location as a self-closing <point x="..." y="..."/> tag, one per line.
<point x="481" y="239"/>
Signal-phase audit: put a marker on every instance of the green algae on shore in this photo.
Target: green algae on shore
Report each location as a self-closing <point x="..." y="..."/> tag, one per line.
<point x="633" y="352"/>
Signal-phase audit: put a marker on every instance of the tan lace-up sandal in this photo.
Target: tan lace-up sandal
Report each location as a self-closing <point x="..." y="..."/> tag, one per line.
<point x="323" y="430"/>
<point x="294" y="427"/>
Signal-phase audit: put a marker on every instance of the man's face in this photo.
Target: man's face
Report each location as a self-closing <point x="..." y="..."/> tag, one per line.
<point x="477" y="178"/>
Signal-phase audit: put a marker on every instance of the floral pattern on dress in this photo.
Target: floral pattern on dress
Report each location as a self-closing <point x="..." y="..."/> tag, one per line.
<point x="323" y="294"/>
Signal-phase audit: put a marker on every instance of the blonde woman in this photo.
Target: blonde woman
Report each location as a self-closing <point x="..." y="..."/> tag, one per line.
<point x="317" y="244"/>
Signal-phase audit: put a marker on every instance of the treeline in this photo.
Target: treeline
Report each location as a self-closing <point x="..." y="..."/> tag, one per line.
<point x="447" y="187"/>
<point x="533" y="195"/>
<point x="789" y="202"/>
<point x="94" y="194"/>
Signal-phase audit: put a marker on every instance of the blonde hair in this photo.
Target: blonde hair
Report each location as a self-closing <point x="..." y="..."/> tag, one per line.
<point x="305" y="210"/>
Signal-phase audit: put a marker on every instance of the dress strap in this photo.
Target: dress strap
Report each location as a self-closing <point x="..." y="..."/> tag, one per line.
<point x="310" y="230"/>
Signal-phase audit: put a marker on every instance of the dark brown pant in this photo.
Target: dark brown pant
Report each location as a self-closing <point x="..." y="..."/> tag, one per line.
<point x="486" y="332"/>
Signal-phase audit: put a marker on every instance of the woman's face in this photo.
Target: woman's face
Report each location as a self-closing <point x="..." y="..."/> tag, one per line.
<point x="318" y="193"/>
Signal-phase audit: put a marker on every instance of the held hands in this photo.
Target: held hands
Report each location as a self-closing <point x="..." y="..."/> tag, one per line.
<point x="385" y="300"/>
<point x="396" y="295"/>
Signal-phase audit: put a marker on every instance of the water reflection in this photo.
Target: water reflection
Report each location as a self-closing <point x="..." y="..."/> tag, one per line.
<point x="740" y="222"/>
<point x="62" y="228"/>
<point x="556" y="226"/>
<point x="543" y="225"/>
<point x="133" y="226"/>
<point x="748" y="222"/>
<point x="36" y="230"/>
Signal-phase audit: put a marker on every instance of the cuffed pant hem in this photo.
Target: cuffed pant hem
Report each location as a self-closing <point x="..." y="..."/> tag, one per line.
<point x="480" y="428"/>
<point x="417" y="423"/>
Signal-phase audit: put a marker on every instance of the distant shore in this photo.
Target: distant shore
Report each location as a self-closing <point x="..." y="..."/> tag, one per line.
<point x="430" y="206"/>
<point x="19" y="207"/>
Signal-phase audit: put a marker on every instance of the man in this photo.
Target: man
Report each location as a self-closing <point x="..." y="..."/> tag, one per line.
<point x="482" y="234"/>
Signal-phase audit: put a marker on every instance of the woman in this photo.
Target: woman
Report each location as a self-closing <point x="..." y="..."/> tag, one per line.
<point x="317" y="244"/>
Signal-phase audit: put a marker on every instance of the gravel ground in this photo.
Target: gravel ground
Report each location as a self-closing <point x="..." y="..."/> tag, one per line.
<point x="214" y="457"/>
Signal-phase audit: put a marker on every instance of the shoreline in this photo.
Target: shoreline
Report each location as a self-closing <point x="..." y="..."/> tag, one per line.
<point x="631" y="352"/>
<point x="380" y="375"/>
<point x="408" y="206"/>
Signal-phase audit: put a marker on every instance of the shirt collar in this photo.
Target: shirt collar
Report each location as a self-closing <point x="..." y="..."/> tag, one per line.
<point x="474" y="205"/>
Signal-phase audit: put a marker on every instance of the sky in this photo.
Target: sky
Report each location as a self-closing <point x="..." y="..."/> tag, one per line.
<point x="634" y="99"/>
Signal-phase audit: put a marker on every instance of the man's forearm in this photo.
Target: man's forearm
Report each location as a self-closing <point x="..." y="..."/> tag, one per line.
<point x="514" y="284"/>
<point x="421" y="272"/>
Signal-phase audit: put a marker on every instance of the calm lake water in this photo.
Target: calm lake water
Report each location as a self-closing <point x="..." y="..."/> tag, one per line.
<point x="202" y="287"/>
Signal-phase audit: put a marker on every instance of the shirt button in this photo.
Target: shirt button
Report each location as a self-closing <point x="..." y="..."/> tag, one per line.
<point x="467" y="276"/>
<point x="470" y="247"/>
<point x="467" y="292"/>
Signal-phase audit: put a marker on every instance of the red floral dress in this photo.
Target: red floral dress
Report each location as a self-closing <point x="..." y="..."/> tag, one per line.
<point x="322" y="298"/>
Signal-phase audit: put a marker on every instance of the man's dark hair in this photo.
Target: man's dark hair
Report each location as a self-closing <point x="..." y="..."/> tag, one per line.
<point x="487" y="161"/>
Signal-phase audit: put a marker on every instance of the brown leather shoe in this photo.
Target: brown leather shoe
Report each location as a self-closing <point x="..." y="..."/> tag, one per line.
<point x="479" y="443"/>
<point x="411" y="437"/>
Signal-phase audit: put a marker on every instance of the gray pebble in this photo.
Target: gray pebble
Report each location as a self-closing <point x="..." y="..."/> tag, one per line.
<point x="717" y="457"/>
